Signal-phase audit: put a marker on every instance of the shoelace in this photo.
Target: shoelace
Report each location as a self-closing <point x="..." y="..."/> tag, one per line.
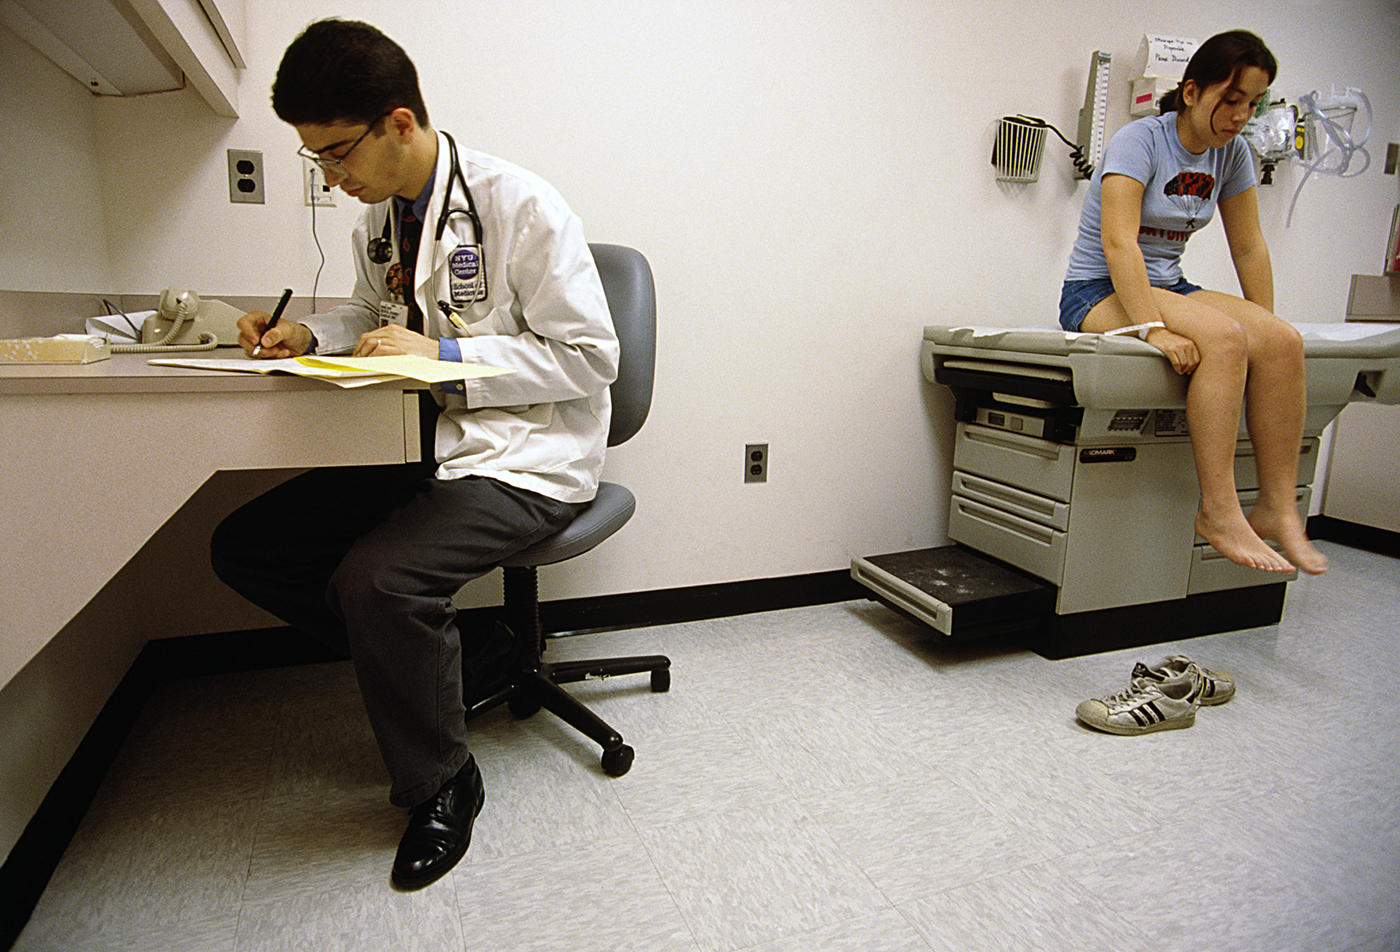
<point x="1132" y="695"/>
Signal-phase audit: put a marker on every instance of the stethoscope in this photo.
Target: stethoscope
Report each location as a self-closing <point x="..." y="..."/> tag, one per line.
<point x="380" y="250"/>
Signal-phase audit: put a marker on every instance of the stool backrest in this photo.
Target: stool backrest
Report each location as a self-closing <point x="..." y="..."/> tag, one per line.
<point x="631" y="292"/>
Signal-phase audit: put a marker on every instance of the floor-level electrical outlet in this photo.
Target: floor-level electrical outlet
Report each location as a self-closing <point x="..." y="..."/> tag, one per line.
<point x="245" y="176"/>
<point x="755" y="462"/>
<point x="317" y="191"/>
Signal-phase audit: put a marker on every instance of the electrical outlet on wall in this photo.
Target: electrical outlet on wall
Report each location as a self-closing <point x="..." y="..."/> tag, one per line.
<point x="245" y="176"/>
<point x="755" y="462"/>
<point x="314" y="181"/>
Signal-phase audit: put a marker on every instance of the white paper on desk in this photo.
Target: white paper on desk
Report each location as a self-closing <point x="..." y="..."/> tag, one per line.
<point x="118" y="328"/>
<point x="341" y="377"/>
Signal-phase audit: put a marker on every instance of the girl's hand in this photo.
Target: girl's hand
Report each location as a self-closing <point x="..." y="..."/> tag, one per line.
<point x="1181" y="351"/>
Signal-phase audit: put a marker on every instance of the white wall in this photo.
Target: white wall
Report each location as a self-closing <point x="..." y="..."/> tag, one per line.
<point x="51" y="219"/>
<point x="811" y="183"/>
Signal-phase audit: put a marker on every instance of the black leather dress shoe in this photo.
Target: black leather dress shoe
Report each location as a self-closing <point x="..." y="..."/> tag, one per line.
<point x="439" y="830"/>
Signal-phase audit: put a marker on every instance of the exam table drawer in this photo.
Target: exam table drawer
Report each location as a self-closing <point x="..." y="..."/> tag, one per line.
<point x="1015" y="459"/>
<point x="1249" y="498"/>
<point x="1212" y="572"/>
<point x="1246" y="476"/>
<point x="1031" y="547"/>
<point x="1031" y="506"/>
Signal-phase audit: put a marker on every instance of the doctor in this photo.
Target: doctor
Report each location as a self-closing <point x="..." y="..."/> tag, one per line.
<point x="458" y="256"/>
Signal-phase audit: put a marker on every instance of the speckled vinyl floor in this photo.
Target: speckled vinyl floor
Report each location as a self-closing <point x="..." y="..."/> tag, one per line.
<point x="818" y="779"/>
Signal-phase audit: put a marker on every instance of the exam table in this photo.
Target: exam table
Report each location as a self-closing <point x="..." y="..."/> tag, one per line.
<point x="1074" y="494"/>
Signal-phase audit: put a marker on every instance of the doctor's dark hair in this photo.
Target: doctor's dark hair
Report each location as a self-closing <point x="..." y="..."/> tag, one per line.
<point x="1218" y="60"/>
<point x="344" y="71"/>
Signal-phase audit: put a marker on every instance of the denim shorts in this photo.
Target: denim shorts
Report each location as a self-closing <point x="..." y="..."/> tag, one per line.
<point x="1078" y="298"/>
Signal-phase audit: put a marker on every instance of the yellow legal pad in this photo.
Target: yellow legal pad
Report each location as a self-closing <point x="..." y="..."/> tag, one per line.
<point x="345" y="371"/>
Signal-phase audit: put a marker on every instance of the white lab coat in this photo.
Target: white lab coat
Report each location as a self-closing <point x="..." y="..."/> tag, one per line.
<point x="544" y="426"/>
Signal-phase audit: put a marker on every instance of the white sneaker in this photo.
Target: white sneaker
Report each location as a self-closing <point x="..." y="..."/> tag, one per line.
<point x="1147" y="705"/>
<point x="1217" y="687"/>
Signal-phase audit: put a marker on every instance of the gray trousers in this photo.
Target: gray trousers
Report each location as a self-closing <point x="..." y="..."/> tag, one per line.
<point x="367" y="559"/>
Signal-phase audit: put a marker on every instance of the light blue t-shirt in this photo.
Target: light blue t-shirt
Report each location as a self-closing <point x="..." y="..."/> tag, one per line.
<point x="1180" y="193"/>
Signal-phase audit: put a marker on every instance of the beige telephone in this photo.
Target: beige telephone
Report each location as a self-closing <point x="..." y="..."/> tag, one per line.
<point x="183" y="322"/>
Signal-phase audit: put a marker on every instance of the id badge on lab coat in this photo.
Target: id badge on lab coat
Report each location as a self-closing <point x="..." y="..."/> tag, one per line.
<point x="392" y="312"/>
<point x="466" y="280"/>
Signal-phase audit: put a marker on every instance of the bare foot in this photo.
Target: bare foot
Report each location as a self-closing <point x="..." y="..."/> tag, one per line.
<point x="1287" y="531"/>
<point x="1236" y="539"/>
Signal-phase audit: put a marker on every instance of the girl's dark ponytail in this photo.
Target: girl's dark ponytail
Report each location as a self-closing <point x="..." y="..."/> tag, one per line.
<point x="1170" y="101"/>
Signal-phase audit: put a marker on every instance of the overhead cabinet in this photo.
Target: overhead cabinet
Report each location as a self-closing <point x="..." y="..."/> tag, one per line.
<point x="131" y="47"/>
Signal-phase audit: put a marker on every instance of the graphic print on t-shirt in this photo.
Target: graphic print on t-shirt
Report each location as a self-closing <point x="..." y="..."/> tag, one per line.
<point x="1191" y="192"/>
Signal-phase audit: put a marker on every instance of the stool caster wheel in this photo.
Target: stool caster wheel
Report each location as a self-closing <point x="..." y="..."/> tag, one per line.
<point x="618" y="761"/>
<point x="661" y="680"/>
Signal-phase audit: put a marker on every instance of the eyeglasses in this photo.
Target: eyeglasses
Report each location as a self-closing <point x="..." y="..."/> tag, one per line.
<point x="336" y="163"/>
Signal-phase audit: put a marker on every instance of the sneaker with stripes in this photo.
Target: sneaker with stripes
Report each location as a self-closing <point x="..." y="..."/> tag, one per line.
<point x="1147" y="705"/>
<point x="1217" y="687"/>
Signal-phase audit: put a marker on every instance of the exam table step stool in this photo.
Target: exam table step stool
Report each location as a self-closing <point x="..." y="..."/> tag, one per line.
<point x="958" y="591"/>
<point x="966" y="595"/>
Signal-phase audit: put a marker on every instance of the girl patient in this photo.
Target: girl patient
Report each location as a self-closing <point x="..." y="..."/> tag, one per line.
<point x="1160" y="181"/>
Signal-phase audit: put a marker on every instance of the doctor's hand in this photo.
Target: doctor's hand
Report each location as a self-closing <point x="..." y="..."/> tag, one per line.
<point x="392" y="339"/>
<point x="1181" y="351"/>
<point x="287" y="339"/>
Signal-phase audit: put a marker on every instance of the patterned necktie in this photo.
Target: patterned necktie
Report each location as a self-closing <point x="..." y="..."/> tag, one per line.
<point x="410" y="233"/>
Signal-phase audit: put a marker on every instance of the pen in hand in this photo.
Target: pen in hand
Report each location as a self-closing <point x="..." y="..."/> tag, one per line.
<point x="276" y="314"/>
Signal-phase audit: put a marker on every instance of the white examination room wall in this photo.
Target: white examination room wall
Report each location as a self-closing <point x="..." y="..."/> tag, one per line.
<point x="810" y="180"/>
<point x="51" y="215"/>
<point x="811" y="183"/>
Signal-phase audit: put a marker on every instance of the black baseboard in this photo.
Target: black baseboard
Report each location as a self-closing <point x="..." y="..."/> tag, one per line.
<point x="36" y="855"/>
<point x="1382" y="541"/>
<point x="675" y="605"/>
<point x="227" y="652"/>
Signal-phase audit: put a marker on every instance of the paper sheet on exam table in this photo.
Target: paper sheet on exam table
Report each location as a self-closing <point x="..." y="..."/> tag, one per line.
<point x="1351" y="330"/>
<point x="1332" y="331"/>
<point x="983" y="332"/>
